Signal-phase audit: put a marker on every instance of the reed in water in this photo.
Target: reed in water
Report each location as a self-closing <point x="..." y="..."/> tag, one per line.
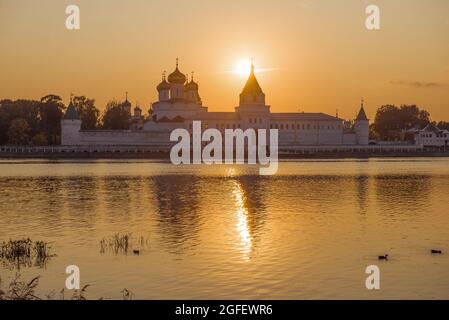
<point x="24" y="252"/>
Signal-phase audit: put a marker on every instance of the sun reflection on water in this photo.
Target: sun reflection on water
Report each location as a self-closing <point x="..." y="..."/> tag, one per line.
<point x="242" y="225"/>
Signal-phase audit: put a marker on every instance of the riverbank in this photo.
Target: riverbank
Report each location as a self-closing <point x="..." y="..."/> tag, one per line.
<point x="163" y="152"/>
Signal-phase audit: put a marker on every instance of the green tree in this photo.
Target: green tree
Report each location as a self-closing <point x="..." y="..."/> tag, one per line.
<point x="115" y="117"/>
<point x="51" y="112"/>
<point x="18" y="132"/>
<point x="87" y="112"/>
<point x="390" y="120"/>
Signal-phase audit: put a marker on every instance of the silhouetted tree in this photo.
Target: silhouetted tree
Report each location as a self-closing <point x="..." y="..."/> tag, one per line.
<point x="390" y="120"/>
<point x="51" y="111"/>
<point x="115" y="117"/>
<point x="39" y="139"/>
<point x="87" y="112"/>
<point x="373" y="135"/>
<point x="18" y="132"/>
<point x="412" y="116"/>
<point x="24" y="109"/>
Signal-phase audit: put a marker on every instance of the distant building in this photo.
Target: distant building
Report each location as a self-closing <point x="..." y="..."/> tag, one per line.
<point x="179" y="103"/>
<point x="136" y="120"/>
<point x="430" y="136"/>
<point x="70" y="126"/>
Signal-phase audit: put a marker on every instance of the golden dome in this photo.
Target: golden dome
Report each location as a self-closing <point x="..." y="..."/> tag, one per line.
<point x="164" y="85"/>
<point x="192" y="86"/>
<point x="177" y="76"/>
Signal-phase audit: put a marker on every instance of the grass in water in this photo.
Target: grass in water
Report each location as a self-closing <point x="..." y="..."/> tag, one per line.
<point x="122" y="244"/>
<point x="24" y="252"/>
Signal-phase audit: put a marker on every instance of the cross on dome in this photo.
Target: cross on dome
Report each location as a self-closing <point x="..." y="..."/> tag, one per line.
<point x="177" y="77"/>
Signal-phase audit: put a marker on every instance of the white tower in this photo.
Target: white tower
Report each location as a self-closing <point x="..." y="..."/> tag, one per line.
<point x="253" y="111"/>
<point x="361" y="127"/>
<point x="70" y="126"/>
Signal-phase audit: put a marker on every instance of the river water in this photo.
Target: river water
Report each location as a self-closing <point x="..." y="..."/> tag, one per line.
<point x="213" y="232"/>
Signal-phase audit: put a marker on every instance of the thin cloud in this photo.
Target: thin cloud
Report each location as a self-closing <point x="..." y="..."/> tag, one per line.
<point x="418" y="84"/>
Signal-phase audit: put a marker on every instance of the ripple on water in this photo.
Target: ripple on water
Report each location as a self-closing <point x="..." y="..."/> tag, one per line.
<point x="225" y="232"/>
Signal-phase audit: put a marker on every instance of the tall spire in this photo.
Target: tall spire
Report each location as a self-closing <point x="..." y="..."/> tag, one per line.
<point x="71" y="112"/>
<point x="252" y="92"/>
<point x="362" y="115"/>
<point x="177" y="63"/>
<point x="252" y="85"/>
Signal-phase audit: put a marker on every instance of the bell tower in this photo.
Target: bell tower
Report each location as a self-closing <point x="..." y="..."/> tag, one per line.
<point x="252" y="93"/>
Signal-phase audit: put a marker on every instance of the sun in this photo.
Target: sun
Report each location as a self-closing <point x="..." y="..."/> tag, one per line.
<point x="243" y="67"/>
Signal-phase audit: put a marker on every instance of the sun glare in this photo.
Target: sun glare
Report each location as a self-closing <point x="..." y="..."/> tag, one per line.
<point x="243" y="68"/>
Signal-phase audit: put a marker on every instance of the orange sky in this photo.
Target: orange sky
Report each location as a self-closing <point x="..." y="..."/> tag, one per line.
<point x="318" y="55"/>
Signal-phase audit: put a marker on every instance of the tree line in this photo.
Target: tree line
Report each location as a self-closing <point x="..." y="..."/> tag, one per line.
<point x="391" y="120"/>
<point x="38" y="122"/>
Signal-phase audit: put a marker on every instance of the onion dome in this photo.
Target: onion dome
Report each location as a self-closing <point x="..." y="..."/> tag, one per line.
<point x="192" y="85"/>
<point x="71" y="112"/>
<point x="177" y="77"/>
<point x="164" y="85"/>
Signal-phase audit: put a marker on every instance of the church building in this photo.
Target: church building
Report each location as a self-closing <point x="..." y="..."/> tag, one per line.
<point x="179" y="104"/>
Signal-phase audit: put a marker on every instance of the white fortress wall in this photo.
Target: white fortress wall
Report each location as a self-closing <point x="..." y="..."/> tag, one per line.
<point x="124" y="137"/>
<point x="349" y="139"/>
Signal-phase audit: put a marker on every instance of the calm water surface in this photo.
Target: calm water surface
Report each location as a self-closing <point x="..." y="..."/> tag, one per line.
<point x="226" y="232"/>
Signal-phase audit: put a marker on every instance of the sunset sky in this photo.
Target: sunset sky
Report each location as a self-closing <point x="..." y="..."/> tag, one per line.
<point x="313" y="56"/>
